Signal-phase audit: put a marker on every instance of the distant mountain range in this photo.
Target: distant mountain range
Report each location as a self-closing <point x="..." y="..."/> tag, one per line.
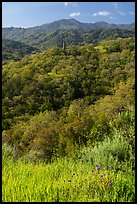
<point x="74" y="24"/>
<point x="71" y="30"/>
<point x="70" y="24"/>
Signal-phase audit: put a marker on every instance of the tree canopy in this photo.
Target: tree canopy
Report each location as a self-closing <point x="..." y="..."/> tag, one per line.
<point x="53" y="100"/>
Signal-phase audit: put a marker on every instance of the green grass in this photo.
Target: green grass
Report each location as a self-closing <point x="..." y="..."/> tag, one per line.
<point x="65" y="180"/>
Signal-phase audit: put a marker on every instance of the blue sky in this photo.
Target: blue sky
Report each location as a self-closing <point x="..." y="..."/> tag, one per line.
<point x="29" y="14"/>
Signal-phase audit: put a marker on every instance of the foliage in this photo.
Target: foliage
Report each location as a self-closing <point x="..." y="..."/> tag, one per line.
<point x="13" y="50"/>
<point x="108" y="152"/>
<point x="56" y="100"/>
<point x="70" y="31"/>
<point x="7" y="152"/>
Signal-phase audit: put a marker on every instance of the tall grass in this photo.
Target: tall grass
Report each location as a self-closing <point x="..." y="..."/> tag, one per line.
<point x="65" y="180"/>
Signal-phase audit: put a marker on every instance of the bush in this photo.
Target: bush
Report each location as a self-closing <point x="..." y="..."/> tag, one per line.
<point x="110" y="152"/>
<point x="32" y="156"/>
<point x="7" y="152"/>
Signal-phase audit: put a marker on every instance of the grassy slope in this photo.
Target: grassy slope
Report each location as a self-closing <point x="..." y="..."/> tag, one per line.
<point x="65" y="181"/>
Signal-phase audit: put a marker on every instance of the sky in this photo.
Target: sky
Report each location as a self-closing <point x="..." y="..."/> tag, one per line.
<point x="29" y="14"/>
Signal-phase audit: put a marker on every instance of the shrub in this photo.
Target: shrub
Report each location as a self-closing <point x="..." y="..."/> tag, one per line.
<point x="7" y="152"/>
<point x="110" y="152"/>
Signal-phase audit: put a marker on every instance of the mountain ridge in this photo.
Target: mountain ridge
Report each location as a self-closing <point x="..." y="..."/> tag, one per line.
<point x="72" y="22"/>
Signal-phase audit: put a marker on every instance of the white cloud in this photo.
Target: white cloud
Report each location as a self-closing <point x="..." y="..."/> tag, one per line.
<point x="66" y="3"/>
<point x="74" y="14"/>
<point x="102" y="13"/>
<point x="121" y="13"/>
<point x="131" y="12"/>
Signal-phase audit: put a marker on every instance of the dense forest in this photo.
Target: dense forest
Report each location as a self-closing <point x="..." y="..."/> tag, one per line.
<point x="44" y="40"/>
<point x="51" y="99"/>
<point x="68" y="115"/>
<point x="14" y="50"/>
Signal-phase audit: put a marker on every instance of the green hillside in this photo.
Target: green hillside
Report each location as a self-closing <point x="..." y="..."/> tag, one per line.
<point x="13" y="50"/>
<point x="43" y="40"/>
<point x="54" y="82"/>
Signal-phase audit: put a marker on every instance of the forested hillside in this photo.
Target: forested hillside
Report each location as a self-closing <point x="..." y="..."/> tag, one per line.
<point x="68" y="30"/>
<point x="43" y="40"/>
<point x="57" y="100"/>
<point x="13" y="50"/>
